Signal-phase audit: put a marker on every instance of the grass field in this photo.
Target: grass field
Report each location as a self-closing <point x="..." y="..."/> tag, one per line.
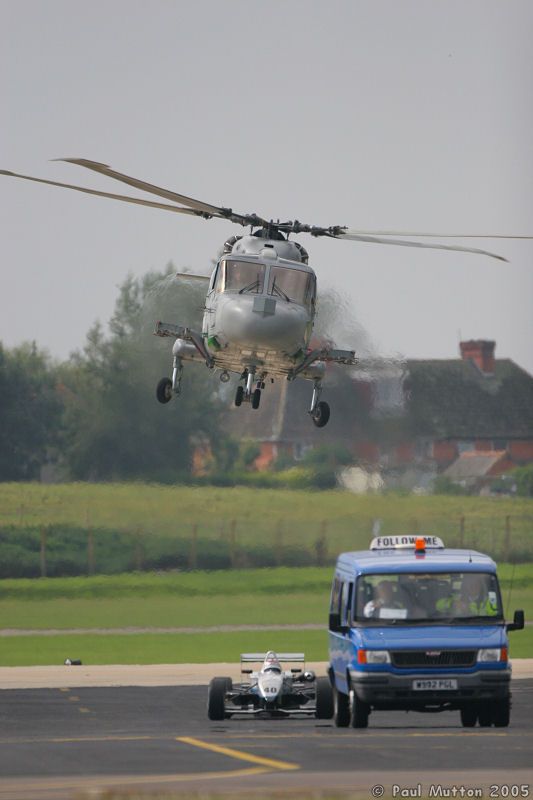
<point x="181" y="648"/>
<point x="293" y="517"/>
<point x="196" y="599"/>
<point x="234" y="518"/>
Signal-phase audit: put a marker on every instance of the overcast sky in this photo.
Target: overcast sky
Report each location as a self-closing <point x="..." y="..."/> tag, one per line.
<point x="399" y="114"/>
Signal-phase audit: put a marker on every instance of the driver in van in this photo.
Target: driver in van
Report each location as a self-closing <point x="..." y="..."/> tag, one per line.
<point x="384" y="597"/>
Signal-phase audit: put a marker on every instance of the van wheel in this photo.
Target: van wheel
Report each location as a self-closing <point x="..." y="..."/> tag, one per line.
<point x="501" y="712"/>
<point x="341" y="709"/>
<point x="216" y="697"/>
<point x="485" y="715"/>
<point x="469" y="716"/>
<point x="324" y="699"/>
<point x="359" y="711"/>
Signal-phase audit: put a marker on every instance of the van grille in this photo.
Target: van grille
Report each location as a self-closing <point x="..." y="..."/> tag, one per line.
<point x="434" y="658"/>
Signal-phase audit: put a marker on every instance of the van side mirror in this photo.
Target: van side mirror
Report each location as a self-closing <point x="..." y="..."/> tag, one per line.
<point x="335" y="624"/>
<point x="518" y="622"/>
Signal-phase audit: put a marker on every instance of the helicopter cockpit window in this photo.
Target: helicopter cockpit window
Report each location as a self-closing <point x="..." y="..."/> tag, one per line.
<point x="214" y="278"/>
<point x="292" y="285"/>
<point x="243" y="277"/>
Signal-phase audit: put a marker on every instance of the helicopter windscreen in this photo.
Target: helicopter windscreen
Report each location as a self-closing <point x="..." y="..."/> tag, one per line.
<point x="243" y="277"/>
<point x="292" y="285"/>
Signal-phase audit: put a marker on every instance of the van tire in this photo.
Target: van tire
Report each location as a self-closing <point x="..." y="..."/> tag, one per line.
<point x="341" y="709"/>
<point x="485" y="715"/>
<point x="324" y="699"/>
<point x="216" y="697"/>
<point x="501" y="712"/>
<point x="469" y="716"/>
<point x="359" y="712"/>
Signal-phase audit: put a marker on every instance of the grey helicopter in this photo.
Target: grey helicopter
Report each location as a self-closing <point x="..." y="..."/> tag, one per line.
<point x="261" y="298"/>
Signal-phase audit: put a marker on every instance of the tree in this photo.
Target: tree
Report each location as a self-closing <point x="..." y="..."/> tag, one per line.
<point x="524" y="480"/>
<point x="114" y="427"/>
<point x="30" y="411"/>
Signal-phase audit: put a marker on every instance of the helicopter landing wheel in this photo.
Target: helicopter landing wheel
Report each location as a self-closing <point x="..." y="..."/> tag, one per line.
<point x="239" y="394"/>
<point x="164" y="390"/>
<point x="320" y="415"/>
<point x="256" y="398"/>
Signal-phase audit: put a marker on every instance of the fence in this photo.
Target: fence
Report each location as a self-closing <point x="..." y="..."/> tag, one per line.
<point x="59" y="550"/>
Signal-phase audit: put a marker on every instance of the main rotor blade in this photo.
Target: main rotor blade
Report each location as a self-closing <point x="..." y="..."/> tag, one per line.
<point x="190" y="202"/>
<point x="122" y="197"/>
<point x="357" y="237"/>
<point x="441" y="235"/>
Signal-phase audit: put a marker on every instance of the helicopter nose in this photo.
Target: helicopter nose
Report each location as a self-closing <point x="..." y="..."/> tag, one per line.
<point x="264" y="322"/>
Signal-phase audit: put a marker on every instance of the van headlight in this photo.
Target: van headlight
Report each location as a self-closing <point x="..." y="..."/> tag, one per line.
<point x="490" y="654"/>
<point x="377" y="657"/>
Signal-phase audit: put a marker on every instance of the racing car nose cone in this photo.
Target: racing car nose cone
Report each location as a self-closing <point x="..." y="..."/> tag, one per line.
<point x="270" y="686"/>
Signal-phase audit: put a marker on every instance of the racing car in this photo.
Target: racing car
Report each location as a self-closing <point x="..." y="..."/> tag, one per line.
<point x="271" y="691"/>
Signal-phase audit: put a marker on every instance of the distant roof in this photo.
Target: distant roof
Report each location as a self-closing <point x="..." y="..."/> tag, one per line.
<point x="474" y="464"/>
<point x="454" y="399"/>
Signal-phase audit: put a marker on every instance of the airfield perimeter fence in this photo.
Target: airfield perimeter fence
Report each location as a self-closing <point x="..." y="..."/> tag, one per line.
<point x="56" y="550"/>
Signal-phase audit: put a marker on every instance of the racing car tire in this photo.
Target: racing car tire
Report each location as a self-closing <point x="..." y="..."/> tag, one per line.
<point x="216" y="696"/>
<point x="324" y="699"/>
<point x="341" y="709"/>
<point x="469" y="716"/>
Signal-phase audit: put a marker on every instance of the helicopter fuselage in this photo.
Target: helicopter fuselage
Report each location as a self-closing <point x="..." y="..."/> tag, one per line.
<point x="259" y="310"/>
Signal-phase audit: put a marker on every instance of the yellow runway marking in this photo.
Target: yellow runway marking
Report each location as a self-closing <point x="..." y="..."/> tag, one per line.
<point x="270" y="763"/>
<point x="74" y="698"/>
<point x="83" y="710"/>
<point x="64" y="689"/>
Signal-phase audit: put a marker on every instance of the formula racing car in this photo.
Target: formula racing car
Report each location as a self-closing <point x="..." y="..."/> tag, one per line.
<point x="271" y="691"/>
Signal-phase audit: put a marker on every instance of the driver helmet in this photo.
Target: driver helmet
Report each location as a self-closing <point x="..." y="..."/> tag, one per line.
<point x="271" y="662"/>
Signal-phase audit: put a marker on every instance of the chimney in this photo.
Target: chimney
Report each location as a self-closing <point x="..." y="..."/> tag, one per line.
<point x="481" y="352"/>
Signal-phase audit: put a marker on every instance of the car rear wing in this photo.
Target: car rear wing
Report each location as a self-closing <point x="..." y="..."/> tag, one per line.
<point x="284" y="658"/>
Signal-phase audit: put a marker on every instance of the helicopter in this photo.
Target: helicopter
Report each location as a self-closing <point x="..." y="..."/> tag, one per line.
<point x="261" y="298"/>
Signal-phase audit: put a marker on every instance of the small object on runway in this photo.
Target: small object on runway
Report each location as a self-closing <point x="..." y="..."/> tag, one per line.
<point x="72" y="662"/>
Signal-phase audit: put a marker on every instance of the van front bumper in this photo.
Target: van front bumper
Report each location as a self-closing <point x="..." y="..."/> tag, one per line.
<point x="389" y="690"/>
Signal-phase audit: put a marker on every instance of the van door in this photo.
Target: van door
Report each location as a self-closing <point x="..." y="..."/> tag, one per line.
<point x="340" y="647"/>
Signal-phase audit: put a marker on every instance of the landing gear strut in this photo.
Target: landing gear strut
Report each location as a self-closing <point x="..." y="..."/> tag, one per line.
<point x="319" y="410"/>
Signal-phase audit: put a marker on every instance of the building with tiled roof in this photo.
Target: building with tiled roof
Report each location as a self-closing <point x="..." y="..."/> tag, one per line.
<point x="417" y="413"/>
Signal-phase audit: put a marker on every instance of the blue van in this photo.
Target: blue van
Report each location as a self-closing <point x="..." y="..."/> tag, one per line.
<point x="419" y="627"/>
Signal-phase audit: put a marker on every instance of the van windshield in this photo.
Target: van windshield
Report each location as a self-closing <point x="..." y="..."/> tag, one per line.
<point x="416" y="597"/>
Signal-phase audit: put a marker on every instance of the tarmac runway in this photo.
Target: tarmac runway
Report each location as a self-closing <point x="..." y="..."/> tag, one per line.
<point x="62" y="741"/>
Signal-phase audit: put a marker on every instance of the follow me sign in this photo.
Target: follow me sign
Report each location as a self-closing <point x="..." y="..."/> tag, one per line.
<point x="396" y="542"/>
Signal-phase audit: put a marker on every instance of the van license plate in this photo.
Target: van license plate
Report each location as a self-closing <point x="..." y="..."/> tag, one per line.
<point x="434" y="684"/>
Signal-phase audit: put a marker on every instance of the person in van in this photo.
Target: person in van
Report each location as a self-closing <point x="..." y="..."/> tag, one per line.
<point x="472" y="600"/>
<point x="384" y="597"/>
